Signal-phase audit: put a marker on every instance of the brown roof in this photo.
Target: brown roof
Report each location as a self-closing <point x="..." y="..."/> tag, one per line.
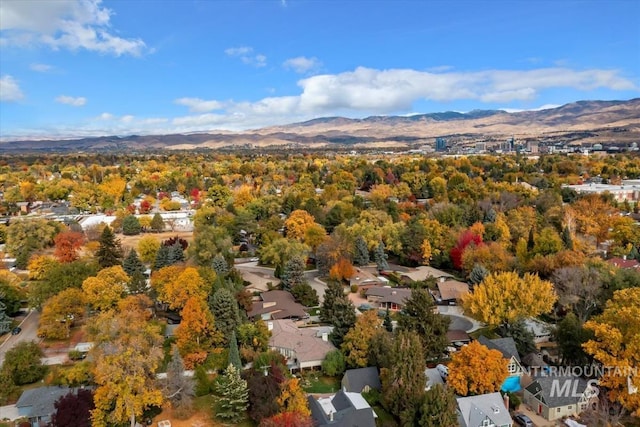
<point x="386" y="294"/>
<point x="452" y="289"/>
<point x="306" y="342"/>
<point x="456" y="335"/>
<point x="279" y="304"/>
<point x="424" y="272"/>
<point x="624" y="263"/>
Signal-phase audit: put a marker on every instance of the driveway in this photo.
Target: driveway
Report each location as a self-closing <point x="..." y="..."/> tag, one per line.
<point x="458" y="318"/>
<point x="29" y="332"/>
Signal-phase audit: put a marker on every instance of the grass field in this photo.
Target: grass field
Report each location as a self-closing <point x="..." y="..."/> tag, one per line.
<point x="129" y="242"/>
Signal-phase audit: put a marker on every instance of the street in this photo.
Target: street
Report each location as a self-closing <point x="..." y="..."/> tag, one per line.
<point x="29" y="333"/>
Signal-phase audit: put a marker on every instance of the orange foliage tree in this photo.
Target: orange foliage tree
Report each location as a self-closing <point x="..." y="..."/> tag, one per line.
<point x="342" y="270"/>
<point x="197" y="333"/>
<point x="476" y="369"/>
<point x="67" y="244"/>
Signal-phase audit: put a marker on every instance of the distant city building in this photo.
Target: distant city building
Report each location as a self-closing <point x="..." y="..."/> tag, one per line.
<point x="441" y="144"/>
<point x="629" y="190"/>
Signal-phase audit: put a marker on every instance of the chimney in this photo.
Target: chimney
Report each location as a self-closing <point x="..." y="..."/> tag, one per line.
<point x="624" y="257"/>
<point x="506" y="400"/>
<point x="331" y="416"/>
<point x="442" y="279"/>
<point x="325" y="337"/>
<point x="270" y="326"/>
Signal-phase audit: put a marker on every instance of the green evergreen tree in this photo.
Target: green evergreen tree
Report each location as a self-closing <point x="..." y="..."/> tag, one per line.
<point x="220" y="265"/>
<point x="157" y="223"/>
<point x="234" y="353"/>
<point x="380" y="257"/>
<point x="162" y="258"/>
<point x="388" y="325"/>
<point x="522" y="336"/>
<point x="131" y="226"/>
<point x="293" y="273"/>
<point x="633" y="254"/>
<point x="305" y="295"/>
<point x="179" y="388"/>
<point x="175" y="254"/>
<point x="132" y="263"/>
<point x="361" y="252"/>
<point x="337" y="310"/>
<point x="490" y="216"/>
<point x="438" y="408"/>
<point x="224" y="307"/>
<point x="531" y="242"/>
<point x="5" y="321"/>
<point x="333" y="292"/>
<point x="418" y="316"/>
<point x="478" y="273"/>
<point x="233" y="395"/>
<point x="566" y="238"/>
<point x="110" y="252"/>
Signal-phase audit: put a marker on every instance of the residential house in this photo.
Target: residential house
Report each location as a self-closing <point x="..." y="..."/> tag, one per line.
<point x="365" y="279"/>
<point x="423" y="272"/>
<point x="484" y="410"/>
<point x="506" y="346"/>
<point x="275" y="305"/>
<point x="302" y="347"/>
<point x="361" y="380"/>
<point x="433" y="378"/>
<point x="38" y="404"/>
<point x="555" y="397"/>
<point x="627" y="264"/>
<point x="451" y="291"/>
<point x="458" y="337"/>
<point x="383" y="297"/>
<point x="344" y="409"/>
<point x="541" y="331"/>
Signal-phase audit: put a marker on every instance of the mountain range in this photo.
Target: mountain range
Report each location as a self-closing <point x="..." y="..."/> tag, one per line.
<point x="582" y="123"/>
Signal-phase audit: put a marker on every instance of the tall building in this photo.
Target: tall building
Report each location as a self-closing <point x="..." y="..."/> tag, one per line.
<point x="441" y="144"/>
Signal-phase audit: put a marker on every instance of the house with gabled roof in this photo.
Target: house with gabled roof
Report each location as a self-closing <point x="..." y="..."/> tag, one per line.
<point x="275" y="305"/>
<point x="555" y="397"/>
<point x="301" y="347"/>
<point x="506" y="346"/>
<point x="384" y="297"/>
<point x="344" y="409"/>
<point x="361" y="380"/>
<point x="38" y="404"/>
<point x="484" y="410"/>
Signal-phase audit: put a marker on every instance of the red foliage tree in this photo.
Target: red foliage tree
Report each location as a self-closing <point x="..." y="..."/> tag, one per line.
<point x="287" y="419"/>
<point x="67" y="244"/>
<point x="73" y="410"/>
<point x="145" y="207"/>
<point x="465" y="239"/>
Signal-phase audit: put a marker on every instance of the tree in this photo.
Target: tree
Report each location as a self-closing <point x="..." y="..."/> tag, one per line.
<point x="361" y="251"/>
<point x="175" y="254"/>
<point x="178" y="388"/>
<point x="337" y="310"/>
<point x="234" y="353"/>
<point x="59" y="313"/>
<point x="224" y="307"/>
<point x="478" y="273"/>
<point x="387" y="323"/>
<point x="475" y="369"/>
<point x="253" y="339"/>
<point x="438" y="408"/>
<point x="67" y="244"/>
<point x="419" y="316"/>
<point x="334" y="363"/>
<point x="110" y="252"/>
<point x="233" y="395"/>
<point x="220" y="265"/>
<point x="567" y="240"/>
<point x="127" y="352"/>
<point x="23" y="363"/>
<point x="148" y="248"/>
<point x="73" y="409"/>
<point x="403" y="382"/>
<point x="197" y="332"/>
<point x="616" y="343"/>
<point x="5" y="321"/>
<point x="570" y="335"/>
<point x="579" y="289"/>
<point x="505" y="297"/>
<point x="132" y="264"/>
<point x="355" y="345"/>
<point x="287" y="419"/>
<point x="380" y="257"/>
<point x="180" y="285"/>
<point x="292" y="398"/>
<point x="107" y="288"/>
<point x="279" y="251"/>
<point x="342" y="270"/>
<point x="157" y="223"/>
<point x="465" y="239"/>
<point x="293" y="273"/>
<point x="60" y="277"/>
<point x="264" y="390"/>
<point x="162" y="258"/>
<point x="131" y="225"/>
<point x="27" y="236"/>
<point x="522" y="336"/>
<point x="305" y="294"/>
<point x="297" y="223"/>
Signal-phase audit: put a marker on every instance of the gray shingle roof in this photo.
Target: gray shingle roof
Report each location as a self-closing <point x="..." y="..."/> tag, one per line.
<point x="554" y="392"/>
<point x="506" y="346"/>
<point x="42" y="400"/>
<point x="475" y="409"/>
<point x="346" y="415"/>
<point x="355" y="380"/>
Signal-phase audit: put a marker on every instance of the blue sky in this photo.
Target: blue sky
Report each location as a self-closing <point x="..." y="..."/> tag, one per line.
<point x="85" y="67"/>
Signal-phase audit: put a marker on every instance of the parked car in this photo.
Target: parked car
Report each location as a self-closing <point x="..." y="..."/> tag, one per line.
<point x="523" y="420"/>
<point x="16" y="330"/>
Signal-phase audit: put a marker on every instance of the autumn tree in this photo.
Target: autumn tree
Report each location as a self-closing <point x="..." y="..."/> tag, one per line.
<point x="419" y="316"/>
<point x="616" y="343"/>
<point x="175" y="285"/>
<point x="253" y="339"/>
<point x="59" y="277"/>
<point x="293" y="398"/>
<point x="355" y="345"/>
<point x="467" y="238"/>
<point x="73" y="409"/>
<point x="278" y="252"/>
<point x="579" y="289"/>
<point x="297" y="223"/>
<point x="107" y="288"/>
<point x="59" y="313"/>
<point x="342" y="270"/>
<point x="288" y="419"/>
<point x="110" y="251"/>
<point x="67" y="245"/>
<point x="505" y="297"/>
<point x="197" y="333"/>
<point x="264" y="390"/>
<point x="148" y="248"/>
<point x="127" y="352"/>
<point x="24" y="237"/>
<point x="403" y="382"/>
<point x="438" y="408"/>
<point x="475" y="369"/>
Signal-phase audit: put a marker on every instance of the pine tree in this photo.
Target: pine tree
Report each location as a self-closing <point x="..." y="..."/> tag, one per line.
<point x="131" y="226"/>
<point x="234" y="353"/>
<point x="224" y="307"/>
<point x="293" y="273"/>
<point x="491" y="215"/>
<point x="388" y="325"/>
<point x="162" y="258"/>
<point x="337" y="310"/>
<point x="233" y="395"/>
<point x="531" y="242"/>
<point x="5" y="321"/>
<point x="478" y="273"/>
<point x="438" y="408"/>
<point x="157" y="223"/>
<point x="380" y="257"/>
<point x="132" y="263"/>
<point x="566" y="238"/>
<point x="361" y="255"/>
<point x="109" y="253"/>
<point x="179" y="389"/>
<point x="220" y="265"/>
<point x="633" y="254"/>
<point x="305" y="295"/>
<point x="175" y="254"/>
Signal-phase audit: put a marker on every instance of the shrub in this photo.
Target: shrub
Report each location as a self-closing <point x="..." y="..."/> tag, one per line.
<point x="334" y="363"/>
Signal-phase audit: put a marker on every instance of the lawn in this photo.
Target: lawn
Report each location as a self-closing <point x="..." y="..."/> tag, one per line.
<point x="314" y="383"/>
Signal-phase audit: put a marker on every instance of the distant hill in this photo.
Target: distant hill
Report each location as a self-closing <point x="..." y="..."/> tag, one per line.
<point x="582" y="122"/>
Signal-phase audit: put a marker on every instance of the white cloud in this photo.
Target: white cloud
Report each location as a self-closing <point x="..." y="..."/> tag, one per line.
<point x="73" y="101"/>
<point x="127" y="119"/>
<point x="105" y="116"/>
<point x="247" y="56"/>
<point x="64" y="24"/>
<point x="302" y="64"/>
<point x="9" y="89"/>
<point x="197" y="105"/>
<point x="41" y="68"/>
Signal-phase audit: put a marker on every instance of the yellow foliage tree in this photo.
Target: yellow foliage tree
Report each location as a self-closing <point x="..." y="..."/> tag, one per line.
<point x="148" y="248"/>
<point x="355" y="346"/>
<point x="107" y="288"/>
<point x="39" y="265"/>
<point x="185" y="285"/>
<point x="197" y="333"/>
<point x="617" y="344"/>
<point x="59" y="313"/>
<point x="293" y="398"/>
<point x="505" y="297"/>
<point x="297" y="223"/>
<point x="476" y="369"/>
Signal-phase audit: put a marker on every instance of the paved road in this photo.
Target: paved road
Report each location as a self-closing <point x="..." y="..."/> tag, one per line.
<point x="29" y="333"/>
